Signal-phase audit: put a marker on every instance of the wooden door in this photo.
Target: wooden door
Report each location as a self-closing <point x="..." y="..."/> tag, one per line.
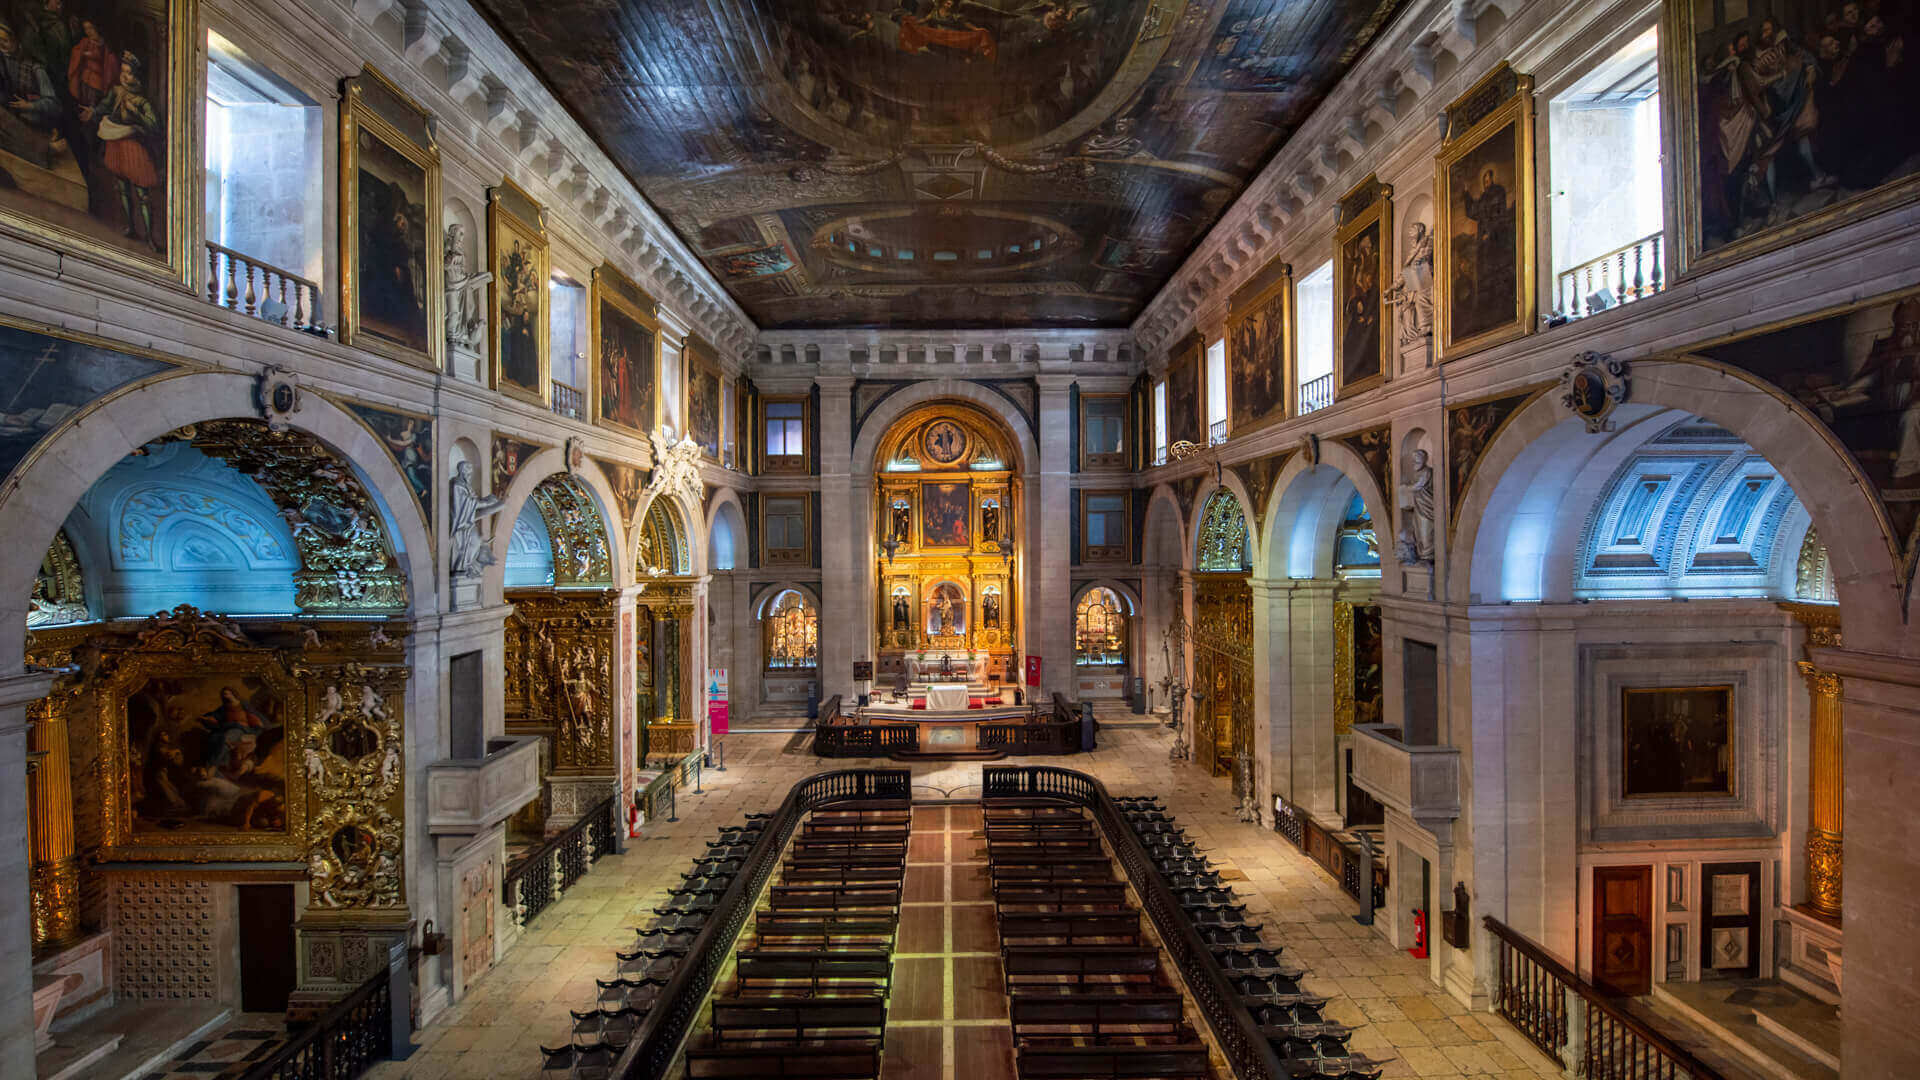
<point x="1623" y="929"/>
<point x="1730" y="938"/>
<point x="266" y="947"/>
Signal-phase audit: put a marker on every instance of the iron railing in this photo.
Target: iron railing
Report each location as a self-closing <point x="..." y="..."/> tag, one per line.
<point x="663" y="791"/>
<point x="1621" y="276"/>
<point x="1316" y="394"/>
<point x="543" y="875"/>
<point x="657" y="1040"/>
<point x="342" y="1043"/>
<point x="1246" y="1050"/>
<point x="1573" y="1022"/>
<point x="1336" y="856"/>
<point x="249" y="286"/>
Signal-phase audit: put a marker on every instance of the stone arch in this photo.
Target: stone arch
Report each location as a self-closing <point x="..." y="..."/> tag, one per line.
<point x="1513" y="508"/>
<point x="1164" y="528"/>
<point x="549" y="461"/>
<point x="933" y="391"/>
<point x="1122" y="589"/>
<point x="726" y="522"/>
<point x="764" y="601"/>
<point x="677" y="510"/>
<point x="1201" y="508"/>
<point x="53" y="477"/>
<point x="1303" y="516"/>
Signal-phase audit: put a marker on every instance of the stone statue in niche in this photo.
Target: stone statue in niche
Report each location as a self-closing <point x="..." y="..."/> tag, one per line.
<point x="990" y="608"/>
<point x="1413" y="293"/>
<point x="902" y="612"/>
<point x="902" y="522"/>
<point x="468" y="552"/>
<point x="1413" y="544"/>
<point x="990" y="520"/>
<point x="466" y="294"/>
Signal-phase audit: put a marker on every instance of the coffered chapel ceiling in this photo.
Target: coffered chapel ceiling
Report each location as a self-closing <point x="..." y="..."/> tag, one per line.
<point x="978" y="163"/>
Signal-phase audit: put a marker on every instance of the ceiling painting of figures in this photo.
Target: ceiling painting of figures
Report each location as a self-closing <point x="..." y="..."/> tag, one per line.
<point x="941" y="163"/>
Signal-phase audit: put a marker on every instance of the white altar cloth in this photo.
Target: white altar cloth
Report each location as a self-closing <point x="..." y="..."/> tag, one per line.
<point x="944" y="697"/>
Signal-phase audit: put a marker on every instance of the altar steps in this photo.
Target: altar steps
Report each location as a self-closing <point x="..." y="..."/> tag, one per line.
<point x="937" y="754"/>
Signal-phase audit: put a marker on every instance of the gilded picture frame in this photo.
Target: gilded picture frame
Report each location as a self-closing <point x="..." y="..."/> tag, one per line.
<point x="388" y="137"/>
<point x="1683" y="41"/>
<point x="624" y="320"/>
<point x="1666" y="745"/>
<point x="170" y="252"/>
<point x="518" y="311"/>
<point x="1363" y="264"/>
<point x="1185" y="397"/>
<point x="1260" y="352"/>
<point x="1489" y="142"/>
<point x="703" y="396"/>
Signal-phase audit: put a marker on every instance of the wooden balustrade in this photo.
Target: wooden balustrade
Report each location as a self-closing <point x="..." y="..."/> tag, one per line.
<point x="1621" y="276"/>
<point x="260" y="289"/>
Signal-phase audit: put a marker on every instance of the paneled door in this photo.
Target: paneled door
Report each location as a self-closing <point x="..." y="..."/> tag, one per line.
<point x="1730" y="940"/>
<point x="1623" y="929"/>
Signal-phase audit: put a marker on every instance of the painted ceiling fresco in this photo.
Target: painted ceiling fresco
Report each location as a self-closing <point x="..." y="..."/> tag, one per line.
<point x="976" y="163"/>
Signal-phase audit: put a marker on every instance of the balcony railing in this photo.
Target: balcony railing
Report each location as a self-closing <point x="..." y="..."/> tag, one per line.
<point x="342" y="1043"/>
<point x="1316" y="393"/>
<point x="1621" y="276"/>
<point x="1216" y="433"/>
<point x="539" y="878"/>
<point x="260" y="289"/>
<point x="567" y="401"/>
<point x="1422" y="782"/>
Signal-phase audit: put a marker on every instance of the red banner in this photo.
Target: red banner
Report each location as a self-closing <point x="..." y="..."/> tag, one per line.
<point x="915" y="36"/>
<point x="1033" y="671"/>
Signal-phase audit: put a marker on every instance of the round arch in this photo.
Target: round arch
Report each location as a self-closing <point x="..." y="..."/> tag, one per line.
<point x="1544" y="461"/>
<point x="885" y="415"/>
<point x="64" y="465"/>
<point x="1303" y="514"/>
<point x="547" y="462"/>
<point x="777" y="589"/>
<point x="1164" y="528"/>
<point x="685" y="518"/>
<point x="726" y="522"/>
<point x="1113" y="585"/>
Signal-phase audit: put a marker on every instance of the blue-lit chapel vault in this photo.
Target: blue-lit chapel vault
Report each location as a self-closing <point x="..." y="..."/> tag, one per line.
<point x="942" y="162"/>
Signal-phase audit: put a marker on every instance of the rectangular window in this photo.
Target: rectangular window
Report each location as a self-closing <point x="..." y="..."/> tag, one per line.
<point x="567" y="336"/>
<point x="1217" y="392"/>
<point x="785" y="528"/>
<point x="1603" y="140"/>
<point x="1160" y="422"/>
<point x="1103" y="431"/>
<point x="1313" y="348"/>
<point x="1103" y="526"/>
<point x="786" y="435"/>
<point x="671" y="393"/>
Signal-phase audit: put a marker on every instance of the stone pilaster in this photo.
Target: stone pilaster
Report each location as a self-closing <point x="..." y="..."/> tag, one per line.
<point x="1046" y="552"/>
<point x="16" y="922"/>
<point x="846" y="619"/>
<point x="1826" y="783"/>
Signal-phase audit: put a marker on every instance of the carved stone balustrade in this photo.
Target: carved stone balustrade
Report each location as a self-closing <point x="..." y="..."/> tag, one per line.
<point x="466" y="797"/>
<point x="1422" y="782"/>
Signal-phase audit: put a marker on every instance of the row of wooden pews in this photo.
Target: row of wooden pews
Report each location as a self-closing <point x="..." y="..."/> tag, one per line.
<point x="1269" y="986"/>
<point x="1087" y="996"/>
<point x="809" y="993"/>
<point x="641" y="971"/>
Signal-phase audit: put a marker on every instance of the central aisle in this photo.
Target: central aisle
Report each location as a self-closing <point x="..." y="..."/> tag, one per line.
<point x="947" y="1018"/>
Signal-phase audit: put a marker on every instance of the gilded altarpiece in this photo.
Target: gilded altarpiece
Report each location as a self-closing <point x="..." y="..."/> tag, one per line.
<point x="1223" y="674"/>
<point x="1356" y="665"/>
<point x="559" y="686"/>
<point x="664" y="612"/>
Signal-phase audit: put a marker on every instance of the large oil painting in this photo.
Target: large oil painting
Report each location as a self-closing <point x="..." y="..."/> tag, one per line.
<point x="92" y="139"/>
<point x="390" y="184"/>
<point x="517" y="256"/>
<point x="408" y="439"/>
<point x="703" y="402"/>
<point x="1676" y="741"/>
<point x="955" y="163"/>
<point x="945" y="515"/>
<point x="626" y="350"/>
<point x="1790" y="116"/>
<point x="1259" y="353"/>
<point x="1183" y="395"/>
<point x="206" y="755"/>
<point x="1361" y="245"/>
<point x="1485" y="197"/>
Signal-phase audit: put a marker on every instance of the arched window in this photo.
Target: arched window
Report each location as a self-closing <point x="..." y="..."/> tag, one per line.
<point x="1100" y="630"/>
<point x="1223" y="535"/>
<point x="793" y="633"/>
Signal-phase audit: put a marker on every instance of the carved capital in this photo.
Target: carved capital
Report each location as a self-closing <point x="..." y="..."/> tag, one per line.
<point x="1821" y="684"/>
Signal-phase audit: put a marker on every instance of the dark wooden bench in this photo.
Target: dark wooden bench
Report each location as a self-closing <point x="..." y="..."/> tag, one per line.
<point x="1077" y="828"/>
<point x="1053" y="896"/>
<point x="1036" y="966"/>
<point x="1026" y="851"/>
<point x="750" y="1019"/>
<point x="1110" y="927"/>
<point x="855" y="833"/>
<point x="1061" y="869"/>
<point x="1096" y="1016"/>
<point x="876" y="816"/>
<point x="1024" y="802"/>
<point x="793" y="929"/>
<point x="842" y="849"/>
<point x="849" y="971"/>
<point x="1307" y="1040"/>
<point x="841" y="875"/>
<point x="996" y="815"/>
<point x="839" y="1059"/>
<point x="884" y="896"/>
<point x="1114" y="1062"/>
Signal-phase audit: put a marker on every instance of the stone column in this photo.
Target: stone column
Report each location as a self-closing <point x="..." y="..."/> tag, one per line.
<point x="1046" y="540"/>
<point x="1826" y="781"/>
<point x="844" y="547"/>
<point x="1271" y="715"/>
<point x="55" y="872"/>
<point x="16" y="921"/>
<point x="1309" y="702"/>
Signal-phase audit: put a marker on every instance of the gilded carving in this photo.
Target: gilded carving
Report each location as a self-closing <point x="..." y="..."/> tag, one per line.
<point x="1223" y="535"/>
<point x="559" y="677"/>
<point x="355" y="767"/>
<point x="1824" y="871"/>
<point x="59" y="594"/>
<point x="578" y="533"/>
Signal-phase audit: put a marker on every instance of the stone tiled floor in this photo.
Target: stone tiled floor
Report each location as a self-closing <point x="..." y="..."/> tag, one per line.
<point x="1383" y="993"/>
<point x="228" y="1052"/>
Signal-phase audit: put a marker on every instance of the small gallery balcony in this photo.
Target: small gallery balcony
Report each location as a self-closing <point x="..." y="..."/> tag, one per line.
<point x="467" y="796"/>
<point x="1422" y="782"/>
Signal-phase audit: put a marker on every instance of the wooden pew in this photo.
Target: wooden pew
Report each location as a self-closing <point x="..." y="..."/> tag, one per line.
<point x="1114" y="1062"/>
<point x="764" y="1019"/>
<point x="1055" y="896"/>
<point x="849" y="1059"/>
<point x="1070" y="928"/>
<point x="794" y="929"/>
<point x="1080" y="968"/>
<point x="1097" y="1016"/>
<point x="875" y="895"/>
<point x="789" y="969"/>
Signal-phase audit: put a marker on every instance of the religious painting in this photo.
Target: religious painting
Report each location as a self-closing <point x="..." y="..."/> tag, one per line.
<point x="945" y="442"/>
<point x="1676" y="741"/>
<point x="1788" y="118"/>
<point x="626" y="352"/>
<point x="50" y="379"/>
<point x="206" y="756"/>
<point x="95" y="140"/>
<point x="509" y="454"/>
<point x="628" y="484"/>
<point x="517" y="257"/>
<point x="947" y="609"/>
<point x="1356" y="665"/>
<point x="1183" y="395"/>
<point x="1362" y="246"/>
<point x="1471" y="428"/>
<point x="1260" y="352"/>
<point x="408" y="439"/>
<point x="945" y="515"/>
<point x="1858" y="371"/>
<point x="703" y="399"/>
<point x="390" y="200"/>
<point x="1374" y="448"/>
<point x="1484" y="192"/>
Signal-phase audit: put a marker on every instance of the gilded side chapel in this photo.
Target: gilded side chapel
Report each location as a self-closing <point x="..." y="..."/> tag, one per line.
<point x="959" y="539"/>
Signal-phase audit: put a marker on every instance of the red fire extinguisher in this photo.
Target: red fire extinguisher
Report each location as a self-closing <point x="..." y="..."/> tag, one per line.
<point x="1419" y="950"/>
<point x="633" y="818"/>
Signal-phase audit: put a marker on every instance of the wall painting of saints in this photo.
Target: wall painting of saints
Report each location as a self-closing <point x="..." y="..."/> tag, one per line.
<point x="390" y="198"/>
<point x="1260" y="351"/>
<point x="517" y="256"/>
<point x="945" y="511"/>
<point x="626" y="351"/>
<point x="703" y="397"/>
<point x="1183" y="394"/>
<point x="1361" y="244"/>
<point x="1786" y="119"/>
<point x="1676" y="741"/>
<point x="1484" y="190"/>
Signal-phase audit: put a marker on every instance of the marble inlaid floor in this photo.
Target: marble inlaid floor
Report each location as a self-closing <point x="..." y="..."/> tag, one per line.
<point x="1383" y="993"/>
<point x="227" y="1053"/>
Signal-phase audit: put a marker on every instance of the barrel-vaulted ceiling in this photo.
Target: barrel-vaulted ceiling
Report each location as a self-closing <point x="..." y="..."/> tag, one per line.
<point x="941" y="163"/>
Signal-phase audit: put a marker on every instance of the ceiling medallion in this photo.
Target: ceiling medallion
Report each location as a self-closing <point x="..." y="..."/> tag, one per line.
<point x="945" y="442"/>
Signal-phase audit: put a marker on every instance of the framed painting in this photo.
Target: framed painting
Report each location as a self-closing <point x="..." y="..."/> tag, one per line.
<point x="1784" y="119"/>
<point x="1362" y="245"/>
<point x="390" y="281"/>
<point x="703" y="396"/>
<point x="1183" y="394"/>
<point x="100" y="151"/>
<point x="1483" y="181"/>
<point x="1260" y="351"/>
<point x="517" y="295"/>
<point x="626" y="353"/>
<point x="1676" y="741"/>
<point x="946" y="515"/>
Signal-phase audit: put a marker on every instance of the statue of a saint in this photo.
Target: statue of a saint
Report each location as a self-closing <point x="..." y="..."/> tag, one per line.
<point x="1416" y="512"/>
<point x="902" y="614"/>
<point x="466" y="296"/>
<point x="1413" y="293"/>
<point x="990" y="609"/>
<point x="468" y="552"/>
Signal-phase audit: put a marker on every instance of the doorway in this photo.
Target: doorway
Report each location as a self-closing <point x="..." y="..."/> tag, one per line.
<point x="266" y="947"/>
<point x="1623" y="929"/>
